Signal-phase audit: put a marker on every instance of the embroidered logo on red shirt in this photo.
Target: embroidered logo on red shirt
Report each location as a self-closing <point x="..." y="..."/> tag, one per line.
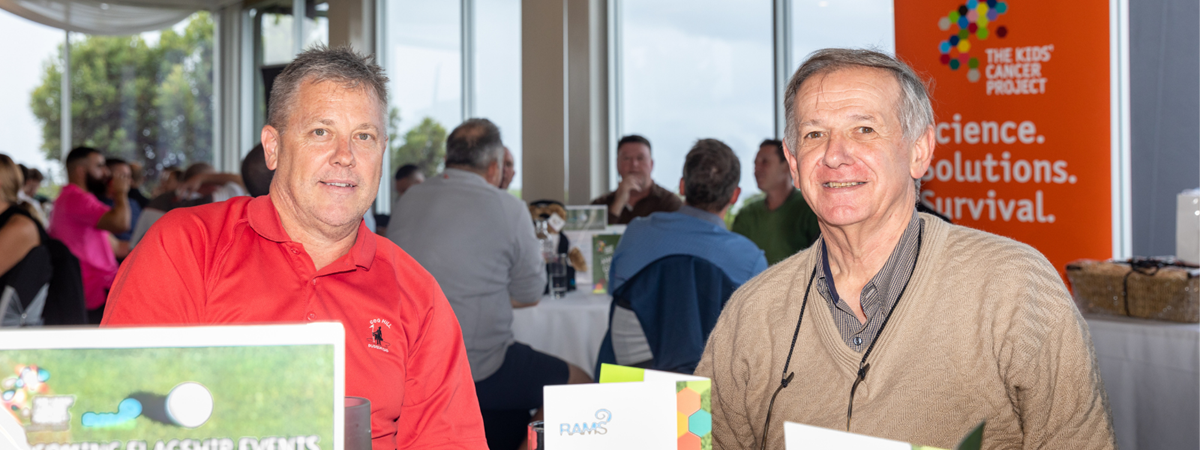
<point x="376" y="338"/>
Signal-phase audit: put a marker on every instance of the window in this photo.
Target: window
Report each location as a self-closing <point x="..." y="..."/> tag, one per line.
<point x="275" y="47"/>
<point x="422" y="53"/>
<point x="818" y="24"/>
<point x="28" y="67"/>
<point x="692" y="70"/>
<point x="144" y="98"/>
<point x="497" y="74"/>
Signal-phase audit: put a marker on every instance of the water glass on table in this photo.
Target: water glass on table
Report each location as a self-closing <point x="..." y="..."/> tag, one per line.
<point x="537" y="436"/>
<point x="557" y="271"/>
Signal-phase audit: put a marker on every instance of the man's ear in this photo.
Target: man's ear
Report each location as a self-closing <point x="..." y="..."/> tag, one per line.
<point x="790" y="158"/>
<point x="270" y="143"/>
<point x="681" y="192"/>
<point x="922" y="153"/>
<point x="495" y="172"/>
<point x="737" y="192"/>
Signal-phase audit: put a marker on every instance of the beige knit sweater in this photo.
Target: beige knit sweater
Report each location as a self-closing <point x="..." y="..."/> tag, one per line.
<point x="985" y="331"/>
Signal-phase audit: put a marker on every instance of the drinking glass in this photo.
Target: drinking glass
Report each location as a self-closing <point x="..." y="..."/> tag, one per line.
<point x="558" y="275"/>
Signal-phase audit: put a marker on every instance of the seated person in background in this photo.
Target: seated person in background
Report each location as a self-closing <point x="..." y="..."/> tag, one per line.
<point x="255" y="173"/>
<point x="28" y="192"/>
<point x="168" y="181"/>
<point x="121" y="245"/>
<point x="709" y="185"/>
<point x="407" y="176"/>
<point x="200" y="185"/>
<point x="25" y="267"/>
<point x="510" y="169"/>
<point x="137" y="174"/>
<point x="637" y="194"/>
<point x="918" y="330"/>
<point x="82" y="222"/>
<point x="782" y="223"/>
<point x="302" y="253"/>
<point x="478" y="242"/>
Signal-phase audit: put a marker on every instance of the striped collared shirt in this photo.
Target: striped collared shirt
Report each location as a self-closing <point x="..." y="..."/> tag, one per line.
<point x="878" y="295"/>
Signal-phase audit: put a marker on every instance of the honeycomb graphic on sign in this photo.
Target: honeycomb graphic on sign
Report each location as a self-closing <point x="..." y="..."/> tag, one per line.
<point x="970" y="20"/>
<point x="692" y="417"/>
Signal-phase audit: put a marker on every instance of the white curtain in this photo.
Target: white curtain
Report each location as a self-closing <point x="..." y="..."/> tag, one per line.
<point x="111" y="17"/>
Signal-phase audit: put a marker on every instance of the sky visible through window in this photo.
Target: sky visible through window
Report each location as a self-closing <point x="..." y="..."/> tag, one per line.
<point x="23" y="68"/>
<point x="690" y="69"/>
<point x="694" y="69"/>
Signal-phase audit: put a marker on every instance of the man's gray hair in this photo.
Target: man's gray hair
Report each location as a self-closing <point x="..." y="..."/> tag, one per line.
<point x="914" y="108"/>
<point x="339" y="64"/>
<point x="475" y="143"/>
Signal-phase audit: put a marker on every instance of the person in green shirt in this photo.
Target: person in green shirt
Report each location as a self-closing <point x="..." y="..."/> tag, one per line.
<point x="782" y="223"/>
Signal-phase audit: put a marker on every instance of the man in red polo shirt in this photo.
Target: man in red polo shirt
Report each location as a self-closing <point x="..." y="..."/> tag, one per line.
<point x="302" y="253"/>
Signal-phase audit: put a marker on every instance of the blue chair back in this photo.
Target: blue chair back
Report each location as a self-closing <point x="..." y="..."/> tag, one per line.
<point x="677" y="299"/>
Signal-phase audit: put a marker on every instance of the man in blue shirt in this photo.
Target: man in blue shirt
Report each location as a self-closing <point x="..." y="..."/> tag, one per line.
<point x="711" y="174"/>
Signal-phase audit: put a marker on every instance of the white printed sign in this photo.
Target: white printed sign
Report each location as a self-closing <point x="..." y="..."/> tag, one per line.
<point x="798" y="436"/>
<point x="611" y="416"/>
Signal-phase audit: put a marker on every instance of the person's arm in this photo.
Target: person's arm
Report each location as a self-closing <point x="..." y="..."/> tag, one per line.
<point x="194" y="184"/>
<point x="117" y="219"/>
<point x="519" y="305"/>
<point x="527" y="275"/>
<point x="440" y="409"/>
<point x="17" y="238"/>
<point x="162" y="280"/>
<point x="1052" y="376"/>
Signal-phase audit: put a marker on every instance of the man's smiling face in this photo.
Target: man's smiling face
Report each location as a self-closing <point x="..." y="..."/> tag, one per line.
<point x="852" y="162"/>
<point x="329" y="157"/>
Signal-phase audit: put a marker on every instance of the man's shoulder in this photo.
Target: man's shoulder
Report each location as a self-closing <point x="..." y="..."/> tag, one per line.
<point x="73" y="196"/>
<point x="987" y="249"/>
<point x="752" y="209"/>
<point x="667" y="200"/>
<point x="1004" y="269"/>
<point x="605" y="199"/>
<point x="210" y="218"/>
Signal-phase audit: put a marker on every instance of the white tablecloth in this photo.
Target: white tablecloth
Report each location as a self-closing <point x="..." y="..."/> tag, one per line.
<point x="1151" y="371"/>
<point x="569" y="328"/>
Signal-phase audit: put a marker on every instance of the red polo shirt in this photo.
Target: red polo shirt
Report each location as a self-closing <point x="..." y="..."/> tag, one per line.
<point x="232" y="262"/>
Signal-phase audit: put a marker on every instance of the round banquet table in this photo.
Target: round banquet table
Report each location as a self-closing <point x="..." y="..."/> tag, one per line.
<point x="1151" y="371"/>
<point x="569" y="328"/>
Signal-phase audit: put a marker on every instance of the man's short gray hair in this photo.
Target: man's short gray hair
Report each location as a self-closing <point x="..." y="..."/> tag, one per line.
<point x="475" y="143"/>
<point x="914" y="108"/>
<point x="339" y="64"/>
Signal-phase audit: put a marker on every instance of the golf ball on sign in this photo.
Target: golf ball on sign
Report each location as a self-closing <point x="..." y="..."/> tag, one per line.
<point x="189" y="404"/>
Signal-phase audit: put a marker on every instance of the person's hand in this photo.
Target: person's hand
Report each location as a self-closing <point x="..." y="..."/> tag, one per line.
<point x="119" y="185"/>
<point x="631" y="183"/>
<point x="185" y="189"/>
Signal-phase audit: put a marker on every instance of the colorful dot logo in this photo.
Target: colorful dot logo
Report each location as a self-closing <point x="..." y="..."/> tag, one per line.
<point x="971" y="19"/>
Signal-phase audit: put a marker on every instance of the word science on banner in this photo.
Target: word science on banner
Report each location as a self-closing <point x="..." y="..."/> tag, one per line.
<point x="1021" y="95"/>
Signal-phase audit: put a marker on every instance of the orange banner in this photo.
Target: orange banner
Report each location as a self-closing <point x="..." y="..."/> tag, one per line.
<point x="1021" y="94"/>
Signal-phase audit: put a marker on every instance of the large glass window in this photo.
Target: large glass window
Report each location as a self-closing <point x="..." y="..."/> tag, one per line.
<point x="145" y="98"/>
<point x="497" y="74"/>
<point x="423" y="57"/>
<point x="27" y="67"/>
<point x="818" y="24"/>
<point x="275" y="46"/>
<point x="693" y="69"/>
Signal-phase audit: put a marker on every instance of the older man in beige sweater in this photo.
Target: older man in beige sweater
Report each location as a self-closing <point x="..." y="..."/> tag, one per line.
<point x="896" y="324"/>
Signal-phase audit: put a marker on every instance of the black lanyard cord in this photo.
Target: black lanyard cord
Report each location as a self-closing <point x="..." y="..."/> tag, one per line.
<point x="787" y="377"/>
<point x="863" y="367"/>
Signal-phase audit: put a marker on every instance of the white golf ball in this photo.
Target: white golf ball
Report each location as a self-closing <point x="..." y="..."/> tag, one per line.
<point x="189" y="404"/>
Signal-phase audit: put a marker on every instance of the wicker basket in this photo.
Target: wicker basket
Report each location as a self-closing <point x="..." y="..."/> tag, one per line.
<point x="1143" y="288"/>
